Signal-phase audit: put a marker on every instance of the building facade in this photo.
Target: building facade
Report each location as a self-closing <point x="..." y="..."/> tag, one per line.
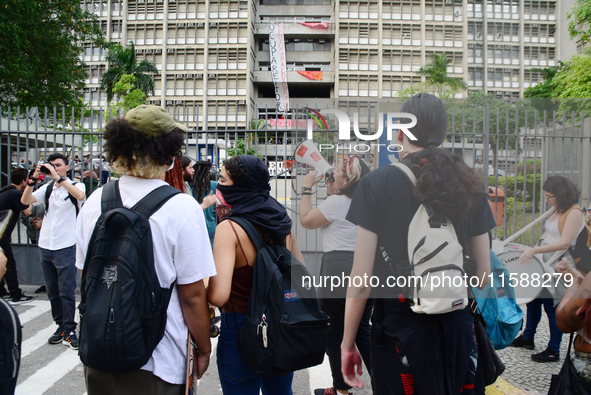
<point x="214" y="55"/>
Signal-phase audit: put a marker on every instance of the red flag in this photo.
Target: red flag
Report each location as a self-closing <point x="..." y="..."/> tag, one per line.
<point x="313" y="75"/>
<point x="315" y="25"/>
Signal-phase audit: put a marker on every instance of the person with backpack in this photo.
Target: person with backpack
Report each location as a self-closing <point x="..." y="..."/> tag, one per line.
<point x="243" y="193"/>
<point x="414" y="349"/>
<point x="338" y="239"/>
<point x="10" y="199"/>
<point x="57" y="242"/>
<point x="562" y="230"/>
<point x="143" y="250"/>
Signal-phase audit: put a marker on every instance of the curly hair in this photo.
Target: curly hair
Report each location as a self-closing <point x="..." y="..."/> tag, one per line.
<point x="444" y="182"/>
<point x="236" y="169"/>
<point x="132" y="151"/>
<point x="566" y="192"/>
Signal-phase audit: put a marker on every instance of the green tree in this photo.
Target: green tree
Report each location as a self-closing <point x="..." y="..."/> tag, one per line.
<point x="572" y="85"/>
<point x="129" y="96"/>
<point x="542" y="96"/>
<point x="40" y="45"/>
<point x="437" y="78"/>
<point x="240" y="149"/>
<point x="466" y="116"/>
<point x="580" y="26"/>
<point x="123" y="61"/>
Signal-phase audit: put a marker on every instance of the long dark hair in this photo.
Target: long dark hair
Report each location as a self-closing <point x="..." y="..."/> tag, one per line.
<point x="201" y="179"/>
<point x="444" y="182"/>
<point x="564" y="190"/>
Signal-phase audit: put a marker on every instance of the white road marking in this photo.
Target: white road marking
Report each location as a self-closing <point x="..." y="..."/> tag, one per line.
<point x="51" y="373"/>
<point x="39" y="307"/>
<point x="35" y="342"/>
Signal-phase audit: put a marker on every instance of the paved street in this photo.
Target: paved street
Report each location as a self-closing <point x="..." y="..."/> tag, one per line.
<point x="57" y="370"/>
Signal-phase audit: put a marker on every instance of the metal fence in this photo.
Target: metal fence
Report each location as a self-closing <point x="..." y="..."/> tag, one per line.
<point x="518" y="151"/>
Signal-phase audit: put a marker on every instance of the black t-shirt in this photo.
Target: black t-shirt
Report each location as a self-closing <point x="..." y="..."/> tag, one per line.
<point x="10" y="199"/>
<point x="385" y="205"/>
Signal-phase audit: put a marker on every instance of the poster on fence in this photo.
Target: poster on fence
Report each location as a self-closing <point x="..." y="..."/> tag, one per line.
<point x="278" y="66"/>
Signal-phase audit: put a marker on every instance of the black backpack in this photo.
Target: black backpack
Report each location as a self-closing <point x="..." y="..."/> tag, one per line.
<point x="48" y="192"/>
<point x="122" y="307"/>
<point x="10" y="348"/>
<point x="284" y="329"/>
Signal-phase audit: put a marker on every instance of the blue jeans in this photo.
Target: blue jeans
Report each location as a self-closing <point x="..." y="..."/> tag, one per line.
<point x="235" y="377"/>
<point x="534" y="315"/>
<point x="59" y="271"/>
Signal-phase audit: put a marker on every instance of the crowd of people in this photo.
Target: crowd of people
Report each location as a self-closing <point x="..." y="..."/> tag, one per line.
<point x="207" y="259"/>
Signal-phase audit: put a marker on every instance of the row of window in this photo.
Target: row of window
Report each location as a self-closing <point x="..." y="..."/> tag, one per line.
<point x="301" y="45"/>
<point x="298" y="66"/>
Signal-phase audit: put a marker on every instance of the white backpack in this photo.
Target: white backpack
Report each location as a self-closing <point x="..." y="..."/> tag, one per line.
<point x="436" y="260"/>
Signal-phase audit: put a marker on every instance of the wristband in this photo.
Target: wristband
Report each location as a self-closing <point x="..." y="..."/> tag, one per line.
<point x="306" y="193"/>
<point x="31" y="184"/>
<point x="34" y="179"/>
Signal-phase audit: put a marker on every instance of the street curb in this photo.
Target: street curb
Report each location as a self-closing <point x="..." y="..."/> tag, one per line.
<point x="503" y="387"/>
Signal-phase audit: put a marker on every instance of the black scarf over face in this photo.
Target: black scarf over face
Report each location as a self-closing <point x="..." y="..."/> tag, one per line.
<point x="250" y="199"/>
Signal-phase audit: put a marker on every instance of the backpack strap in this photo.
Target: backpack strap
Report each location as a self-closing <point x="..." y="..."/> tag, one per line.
<point x="111" y="197"/>
<point x="562" y="218"/>
<point x="154" y="200"/>
<point x="407" y="171"/>
<point x="251" y="231"/>
<point x="48" y="192"/>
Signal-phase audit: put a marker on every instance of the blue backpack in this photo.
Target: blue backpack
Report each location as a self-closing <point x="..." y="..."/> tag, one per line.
<point x="500" y="311"/>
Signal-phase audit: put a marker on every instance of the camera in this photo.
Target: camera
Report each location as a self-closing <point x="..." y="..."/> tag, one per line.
<point x="45" y="170"/>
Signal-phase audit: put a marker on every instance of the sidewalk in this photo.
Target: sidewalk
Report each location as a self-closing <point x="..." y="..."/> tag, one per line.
<point x="522" y="375"/>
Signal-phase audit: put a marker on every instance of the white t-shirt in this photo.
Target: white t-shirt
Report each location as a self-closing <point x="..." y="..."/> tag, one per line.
<point x="181" y="252"/>
<point x="57" y="230"/>
<point x="340" y="234"/>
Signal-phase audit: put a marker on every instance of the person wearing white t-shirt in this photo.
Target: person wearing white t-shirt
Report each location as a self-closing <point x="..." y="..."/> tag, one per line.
<point x="182" y="254"/>
<point x="57" y="243"/>
<point x="338" y="241"/>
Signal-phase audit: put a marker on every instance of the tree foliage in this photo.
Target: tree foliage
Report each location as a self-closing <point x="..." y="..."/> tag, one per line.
<point x="129" y="96"/>
<point x="241" y="149"/>
<point x="437" y="78"/>
<point x="580" y="26"/>
<point x="123" y="61"/>
<point x="40" y="45"/>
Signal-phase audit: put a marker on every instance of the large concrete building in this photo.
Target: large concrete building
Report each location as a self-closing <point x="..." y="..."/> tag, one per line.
<point x="214" y="55"/>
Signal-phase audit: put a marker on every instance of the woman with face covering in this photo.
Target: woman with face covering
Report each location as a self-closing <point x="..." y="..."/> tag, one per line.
<point x="338" y="239"/>
<point x="243" y="191"/>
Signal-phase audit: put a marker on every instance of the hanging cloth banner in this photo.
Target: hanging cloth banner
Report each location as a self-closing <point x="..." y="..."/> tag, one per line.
<point x="315" y="25"/>
<point x="313" y="75"/>
<point x="278" y="66"/>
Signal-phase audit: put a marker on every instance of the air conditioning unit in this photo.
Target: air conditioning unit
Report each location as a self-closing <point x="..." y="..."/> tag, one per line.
<point x="211" y="76"/>
<point x="535" y="25"/>
<point x="310" y="40"/>
<point x="200" y="24"/>
<point x="179" y="102"/>
<point x="507" y="70"/>
<point x="171" y="50"/>
<point x="448" y="1"/>
<point x="490" y="70"/>
<point x="241" y="102"/>
<point x="479" y="35"/>
<point x="198" y="76"/>
<point x="297" y="40"/>
<point x="157" y="102"/>
<point x="94" y="89"/>
<point x="321" y="41"/>
<point x="180" y="25"/>
<point x="149" y="50"/>
<point x="507" y="47"/>
<point x="169" y="102"/>
<point x="139" y="51"/>
<point x="189" y="76"/>
<point x="190" y="25"/>
<point x="213" y="24"/>
<point x="158" y="51"/>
